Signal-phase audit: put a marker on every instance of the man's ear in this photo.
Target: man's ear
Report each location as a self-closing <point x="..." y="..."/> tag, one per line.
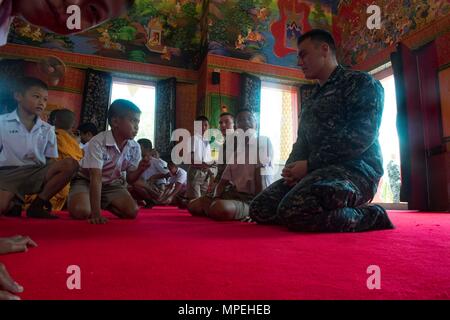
<point x="326" y="48"/>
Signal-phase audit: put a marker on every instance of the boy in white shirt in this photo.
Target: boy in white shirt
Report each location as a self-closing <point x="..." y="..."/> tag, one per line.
<point x="26" y="145"/>
<point x="110" y="156"/>
<point x="152" y="183"/>
<point x="240" y="182"/>
<point x="177" y="184"/>
<point x="87" y="131"/>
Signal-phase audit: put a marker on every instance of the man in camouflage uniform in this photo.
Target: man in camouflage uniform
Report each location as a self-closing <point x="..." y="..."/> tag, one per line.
<point x="336" y="163"/>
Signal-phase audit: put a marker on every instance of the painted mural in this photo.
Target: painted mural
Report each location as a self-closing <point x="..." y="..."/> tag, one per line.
<point x="264" y="30"/>
<point x="398" y="19"/>
<point x="164" y="32"/>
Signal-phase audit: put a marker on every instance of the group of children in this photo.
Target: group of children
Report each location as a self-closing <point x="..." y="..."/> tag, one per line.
<point x="45" y="168"/>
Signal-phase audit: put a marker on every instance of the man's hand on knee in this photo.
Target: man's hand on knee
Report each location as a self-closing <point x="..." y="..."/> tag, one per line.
<point x="294" y="172"/>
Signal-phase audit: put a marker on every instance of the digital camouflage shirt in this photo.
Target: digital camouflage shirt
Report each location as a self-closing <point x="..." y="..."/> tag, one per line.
<point x="339" y="124"/>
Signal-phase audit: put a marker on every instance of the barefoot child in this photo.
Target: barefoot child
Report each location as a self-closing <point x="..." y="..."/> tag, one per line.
<point x="152" y="183"/>
<point x="26" y="145"/>
<point x="112" y="159"/>
<point x="176" y="187"/>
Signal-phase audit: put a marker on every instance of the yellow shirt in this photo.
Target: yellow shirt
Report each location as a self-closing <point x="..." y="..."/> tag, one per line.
<point x="68" y="146"/>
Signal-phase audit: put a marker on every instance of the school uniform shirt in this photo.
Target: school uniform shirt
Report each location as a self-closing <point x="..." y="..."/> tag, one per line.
<point x="83" y="145"/>
<point x="242" y="176"/>
<point x="103" y="153"/>
<point x="5" y="20"/>
<point x="157" y="166"/>
<point x="180" y="177"/>
<point x="201" y="149"/>
<point x="20" y="147"/>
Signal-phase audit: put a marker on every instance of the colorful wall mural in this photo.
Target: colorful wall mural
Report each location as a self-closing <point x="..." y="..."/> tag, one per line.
<point x="166" y="32"/>
<point x="178" y="32"/>
<point x="264" y="30"/>
<point x="398" y="19"/>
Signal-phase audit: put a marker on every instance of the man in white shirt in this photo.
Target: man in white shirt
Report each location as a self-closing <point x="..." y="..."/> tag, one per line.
<point x="200" y="172"/>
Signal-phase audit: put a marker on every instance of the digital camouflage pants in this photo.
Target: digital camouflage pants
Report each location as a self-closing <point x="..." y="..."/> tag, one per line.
<point x="331" y="199"/>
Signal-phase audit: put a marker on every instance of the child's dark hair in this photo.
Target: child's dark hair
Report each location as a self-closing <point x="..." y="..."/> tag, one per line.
<point x="52" y="116"/>
<point x="202" y="118"/>
<point x="88" y="127"/>
<point x="64" y="119"/>
<point x="26" y="83"/>
<point x="121" y="108"/>
<point x="170" y="163"/>
<point x="146" y="144"/>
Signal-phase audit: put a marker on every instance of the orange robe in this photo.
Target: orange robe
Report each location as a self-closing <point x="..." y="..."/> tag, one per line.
<point x="68" y="147"/>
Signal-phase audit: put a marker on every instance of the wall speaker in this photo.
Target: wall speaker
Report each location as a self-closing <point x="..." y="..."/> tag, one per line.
<point x="215" y="77"/>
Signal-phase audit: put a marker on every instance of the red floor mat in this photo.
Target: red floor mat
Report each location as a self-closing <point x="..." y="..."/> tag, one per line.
<point x="167" y="254"/>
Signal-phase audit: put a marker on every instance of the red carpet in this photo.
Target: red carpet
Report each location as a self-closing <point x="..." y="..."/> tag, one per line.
<point x="167" y="254"/>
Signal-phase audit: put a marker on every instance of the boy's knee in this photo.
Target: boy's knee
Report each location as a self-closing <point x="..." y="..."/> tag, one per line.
<point x="79" y="213"/>
<point x="195" y="207"/>
<point x="131" y="212"/>
<point x="219" y="210"/>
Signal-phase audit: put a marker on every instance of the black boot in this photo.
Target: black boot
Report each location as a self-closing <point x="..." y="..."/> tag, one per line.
<point x="40" y="209"/>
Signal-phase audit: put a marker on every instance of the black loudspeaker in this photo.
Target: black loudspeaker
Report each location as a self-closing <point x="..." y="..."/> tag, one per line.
<point x="215" y="77"/>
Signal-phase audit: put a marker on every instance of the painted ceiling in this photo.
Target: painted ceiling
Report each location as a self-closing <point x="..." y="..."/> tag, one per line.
<point x="177" y="32"/>
<point x="400" y="18"/>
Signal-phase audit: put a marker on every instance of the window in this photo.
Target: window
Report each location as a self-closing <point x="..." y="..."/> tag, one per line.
<point x="279" y="120"/>
<point x="389" y="187"/>
<point x="143" y="95"/>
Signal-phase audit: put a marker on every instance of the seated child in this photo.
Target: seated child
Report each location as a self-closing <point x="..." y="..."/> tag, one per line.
<point x="101" y="181"/>
<point x="87" y="131"/>
<point x="239" y="183"/>
<point x="176" y="187"/>
<point x="152" y="182"/>
<point x="26" y="144"/>
<point x="67" y="148"/>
